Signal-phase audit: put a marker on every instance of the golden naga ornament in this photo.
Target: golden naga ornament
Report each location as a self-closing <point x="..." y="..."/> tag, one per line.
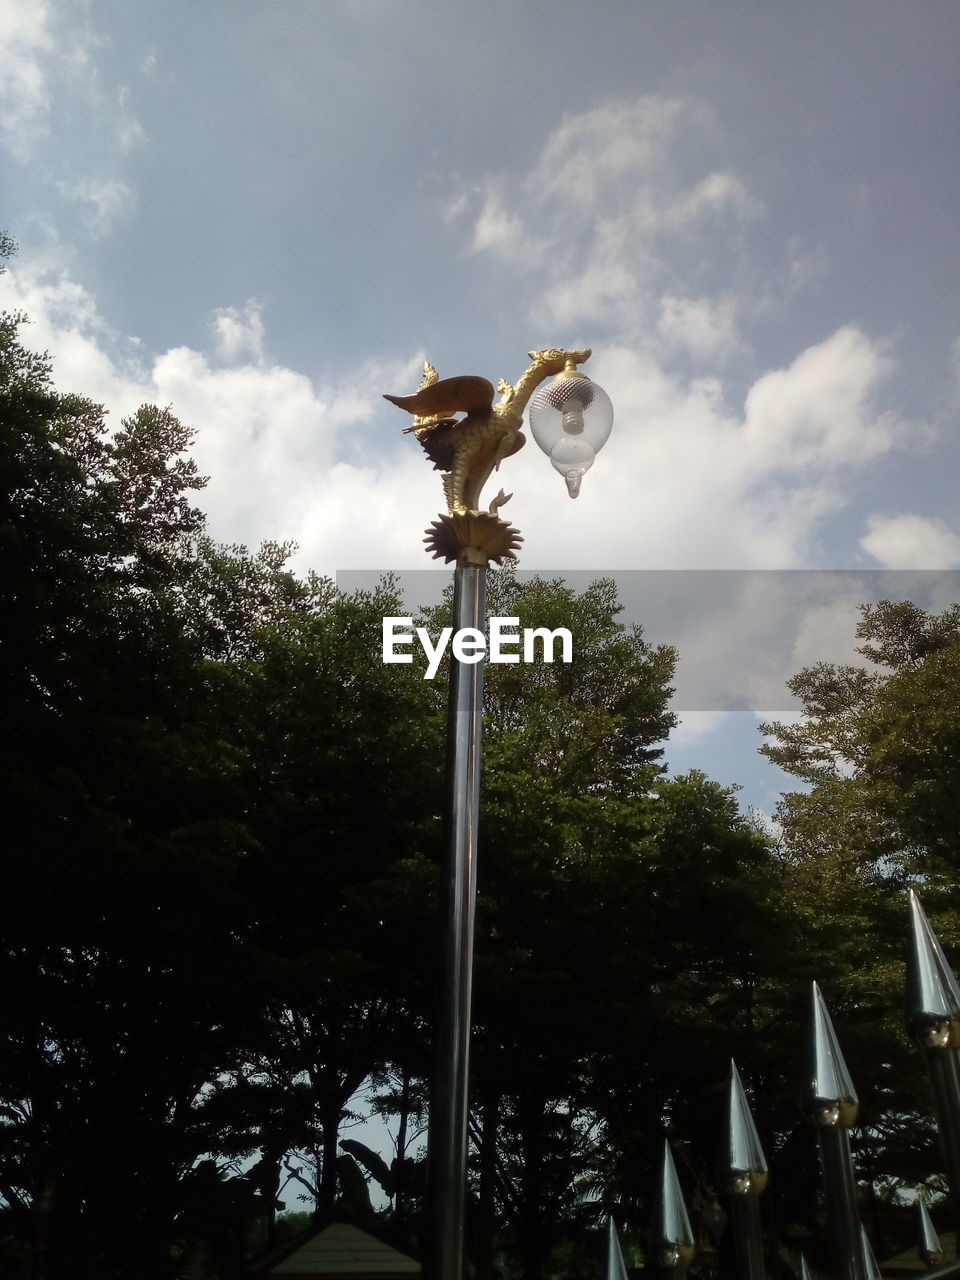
<point x="469" y="449"/>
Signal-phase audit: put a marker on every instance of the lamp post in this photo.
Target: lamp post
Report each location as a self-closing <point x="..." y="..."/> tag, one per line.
<point x="571" y="419"/>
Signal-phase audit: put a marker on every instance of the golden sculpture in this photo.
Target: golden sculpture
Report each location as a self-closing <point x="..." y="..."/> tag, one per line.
<point x="468" y="449"/>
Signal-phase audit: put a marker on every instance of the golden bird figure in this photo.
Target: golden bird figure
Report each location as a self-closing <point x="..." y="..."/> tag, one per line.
<point x="468" y="449"/>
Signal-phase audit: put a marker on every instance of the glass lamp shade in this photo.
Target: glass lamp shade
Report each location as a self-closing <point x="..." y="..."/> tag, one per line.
<point x="571" y="418"/>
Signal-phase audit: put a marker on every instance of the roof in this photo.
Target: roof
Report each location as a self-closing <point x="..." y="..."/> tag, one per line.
<point x="909" y="1263"/>
<point x="338" y="1251"/>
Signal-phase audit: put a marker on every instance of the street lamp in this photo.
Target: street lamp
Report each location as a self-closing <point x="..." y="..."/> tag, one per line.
<point x="571" y="419"/>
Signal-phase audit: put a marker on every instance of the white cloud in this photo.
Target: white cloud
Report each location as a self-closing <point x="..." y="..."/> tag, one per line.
<point x="911" y="542"/>
<point x="630" y="232"/>
<point x="239" y="331"/>
<point x="25" y="47"/>
<point x="609" y="155"/>
<point x="457" y="205"/>
<point x="828" y="631"/>
<point x="270" y="438"/>
<point x="688" y="479"/>
<point x="606" y="206"/>
<point x="588" y="296"/>
<point x="743" y="635"/>
<point x="129" y="132"/>
<point x="819" y="409"/>
<point x="805" y="265"/>
<point x="695" y="726"/>
<point x="497" y="229"/>
<point x="103" y="201"/>
<point x="47" y="54"/>
<point x="703" y="327"/>
<point x="691" y="477"/>
<point x="49" y="68"/>
<point x="717" y="193"/>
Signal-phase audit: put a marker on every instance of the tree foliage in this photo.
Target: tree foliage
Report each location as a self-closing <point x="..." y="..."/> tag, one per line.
<point x="221" y="856"/>
<point x="190" y="817"/>
<point x="878" y="749"/>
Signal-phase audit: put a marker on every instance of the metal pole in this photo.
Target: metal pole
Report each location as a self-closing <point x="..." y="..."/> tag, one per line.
<point x="928" y="1242"/>
<point x="843" y="1213"/>
<point x="673" y="1245"/>
<point x="743" y="1172"/>
<point x="747" y="1237"/>
<point x="933" y="1017"/>
<point x="616" y="1268"/>
<point x="944" y="1071"/>
<point x="831" y="1104"/>
<point x="447" y="1139"/>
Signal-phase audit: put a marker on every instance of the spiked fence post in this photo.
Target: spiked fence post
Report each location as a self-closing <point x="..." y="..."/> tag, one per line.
<point x="743" y="1176"/>
<point x="672" y="1234"/>
<point x="616" y="1268"/>
<point x="933" y="1018"/>
<point x="831" y="1104"/>
<point x="928" y="1242"/>
<point x="870" y="1265"/>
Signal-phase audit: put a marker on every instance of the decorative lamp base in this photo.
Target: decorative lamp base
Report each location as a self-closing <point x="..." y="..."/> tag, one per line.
<point x="472" y="537"/>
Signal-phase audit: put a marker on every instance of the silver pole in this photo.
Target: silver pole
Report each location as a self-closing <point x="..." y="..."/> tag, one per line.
<point x="743" y="1173"/>
<point x="447" y="1138"/>
<point x="843" y="1214"/>
<point x="672" y="1235"/>
<point x="933" y="1017"/>
<point x="616" y="1268"/>
<point x="831" y="1104"/>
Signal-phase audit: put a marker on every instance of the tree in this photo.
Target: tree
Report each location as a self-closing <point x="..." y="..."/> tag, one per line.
<point x="882" y="741"/>
<point x="344" y="760"/>
<point x="618" y="909"/>
<point x="221" y="869"/>
<point x="200" y="767"/>
<point x="120" y="848"/>
<point x="878" y="747"/>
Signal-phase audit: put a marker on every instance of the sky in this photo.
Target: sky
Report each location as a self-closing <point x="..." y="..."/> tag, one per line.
<point x="266" y="215"/>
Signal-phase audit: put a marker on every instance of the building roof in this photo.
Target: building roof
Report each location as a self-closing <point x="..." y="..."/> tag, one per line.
<point x="909" y="1263"/>
<point x="341" y="1251"/>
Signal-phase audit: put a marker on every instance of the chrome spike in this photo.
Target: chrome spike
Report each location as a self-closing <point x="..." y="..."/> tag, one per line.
<point x="932" y="995"/>
<point x="742" y="1166"/>
<point x="870" y="1268"/>
<point x="831" y="1100"/>
<point x="928" y="1242"/>
<point x="673" y="1237"/>
<point x="616" y="1268"/>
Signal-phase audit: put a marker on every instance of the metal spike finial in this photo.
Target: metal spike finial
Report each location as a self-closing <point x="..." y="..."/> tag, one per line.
<point x="831" y="1101"/>
<point x="742" y="1164"/>
<point x="870" y="1268"/>
<point x="932" y="993"/>
<point x="933" y="1015"/>
<point x="616" y="1268"/>
<point x="673" y="1236"/>
<point x="928" y="1242"/>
